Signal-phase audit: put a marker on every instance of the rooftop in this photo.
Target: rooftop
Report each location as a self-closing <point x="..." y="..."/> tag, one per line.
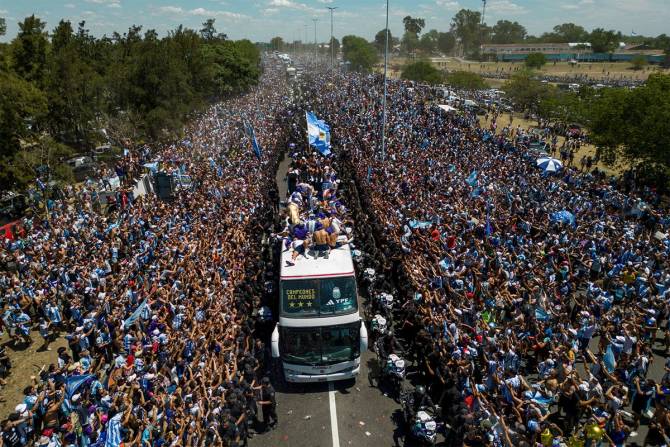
<point x="339" y="263"/>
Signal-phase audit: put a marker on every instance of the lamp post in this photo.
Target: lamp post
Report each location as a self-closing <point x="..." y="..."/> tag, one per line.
<point x="332" y="47"/>
<point x="386" y="53"/>
<point x="315" y="49"/>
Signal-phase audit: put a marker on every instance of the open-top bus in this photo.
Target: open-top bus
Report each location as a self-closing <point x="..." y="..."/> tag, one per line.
<point x="320" y="334"/>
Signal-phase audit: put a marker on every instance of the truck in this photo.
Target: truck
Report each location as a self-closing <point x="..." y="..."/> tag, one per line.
<point x="320" y="333"/>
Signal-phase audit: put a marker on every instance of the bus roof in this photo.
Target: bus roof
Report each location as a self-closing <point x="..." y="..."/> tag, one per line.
<point x="339" y="263"/>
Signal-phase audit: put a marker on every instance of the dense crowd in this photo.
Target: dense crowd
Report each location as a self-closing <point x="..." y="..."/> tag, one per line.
<point x="531" y="302"/>
<point x="158" y="300"/>
<point x="530" y="326"/>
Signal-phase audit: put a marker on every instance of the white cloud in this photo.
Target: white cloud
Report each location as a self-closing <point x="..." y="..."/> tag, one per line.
<point x="69" y="5"/>
<point x="201" y="12"/>
<point x="171" y="10"/>
<point x="448" y="4"/>
<point x="325" y="1"/>
<point x="216" y="14"/>
<point x="109" y="3"/>
<point x="504" y="7"/>
<point x="270" y="11"/>
<point x="289" y="4"/>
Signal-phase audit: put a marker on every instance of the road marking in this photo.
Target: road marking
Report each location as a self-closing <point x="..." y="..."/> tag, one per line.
<point x="333" y="415"/>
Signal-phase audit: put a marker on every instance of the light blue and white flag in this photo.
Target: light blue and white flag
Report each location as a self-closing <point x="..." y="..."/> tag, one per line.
<point x="114" y="438"/>
<point x="135" y="315"/>
<point x="472" y="179"/>
<point x="73" y="383"/>
<point x="249" y="130"/>
<point x="318" y="134"/>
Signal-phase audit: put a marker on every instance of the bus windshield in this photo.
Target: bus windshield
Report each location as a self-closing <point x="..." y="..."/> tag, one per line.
<point x="318" y="346"/>
<point x="319" y="297"/>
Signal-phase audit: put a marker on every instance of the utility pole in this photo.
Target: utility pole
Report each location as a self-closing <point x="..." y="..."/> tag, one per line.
<point x="481" y="31"/>
<point x="315" y="48"/>
<point x="386" y="56"/>
<point x="332" y="47"/>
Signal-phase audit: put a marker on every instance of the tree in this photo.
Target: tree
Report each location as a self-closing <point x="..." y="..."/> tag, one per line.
<point x="428" y="41"/>
<point x="380" y="40"/>
<point x="3" y="26"/>
<point x="569" y="32"/>
<point x="525" y="92"/>
<point x="359" y="53"/>
<point x="413" y="25"/>
<point x="603" y="41"/>
<point x="422" y="71"/>
<point x="466" y="80"/>
<point x="277" y="43"/>
<point x="639" y="62"/>
<point x="73" y="87"/>
<point x="634" y="125"/>
<point x="29" y="50"/>
<point x="410" y="42"/>
<point x="335" y="45"/>
<point x="536" y="60"/>
<point x="22" y="109"/>
<point x="446" y="42"/>
<point x="466" y="26"/>
<point x="208" y="32"/>
<point x="505" y="31"/>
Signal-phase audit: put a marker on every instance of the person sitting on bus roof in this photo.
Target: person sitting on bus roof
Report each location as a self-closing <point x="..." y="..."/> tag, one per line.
<point x="321" y="243"/>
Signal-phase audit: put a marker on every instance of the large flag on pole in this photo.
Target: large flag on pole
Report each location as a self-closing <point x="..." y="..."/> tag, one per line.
<point x="318" y="134"/>
<point x="252" y="136"/>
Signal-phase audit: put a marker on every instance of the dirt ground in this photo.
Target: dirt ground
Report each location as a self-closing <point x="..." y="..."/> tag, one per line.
<point x="586" y="149"/>
<point x="595" y="70"/>
<point x="26" y="362"/>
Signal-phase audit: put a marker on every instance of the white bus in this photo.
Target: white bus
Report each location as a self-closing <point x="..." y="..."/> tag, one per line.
<point x="320" y="334"/>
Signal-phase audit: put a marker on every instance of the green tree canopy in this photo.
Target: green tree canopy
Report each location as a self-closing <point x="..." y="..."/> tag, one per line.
<point x="428" y="41"/>
<point x="413" y="25"/>
<point x="639" y="61"/>
<point x="29" y="50"/>
<point x="525" y="92"/>
<point x="380" y="40"/>
<point x="634" y="125"/>
<point x="359" y="53"/>
<point x="535" y="60"/>
<point x="505" y="31"/>
<point x="466" y="26"/>
<point x="466" y="80"/>
<point x="23" y="108"/>
<point x="422" y="71"/>
<point x="569" y="32"/>
<point x="446" y="42"/>
<point x="277" y="43"/>
<point x="603" y="41"/>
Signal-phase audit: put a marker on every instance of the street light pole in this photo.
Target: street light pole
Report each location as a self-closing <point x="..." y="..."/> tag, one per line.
<point x="315" y="49"/>
<point x="386" y="53"/>
<point x="332" y="47"/>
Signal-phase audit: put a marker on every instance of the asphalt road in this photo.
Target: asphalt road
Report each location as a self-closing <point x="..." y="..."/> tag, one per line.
<point x="362" y="415"/>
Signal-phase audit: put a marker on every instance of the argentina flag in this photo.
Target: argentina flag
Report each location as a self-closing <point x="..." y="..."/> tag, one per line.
<point x="249" y="130"/>
<point x="318" y="134"/>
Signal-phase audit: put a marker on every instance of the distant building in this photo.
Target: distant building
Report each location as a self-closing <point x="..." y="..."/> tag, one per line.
<point x="578" y="51"/>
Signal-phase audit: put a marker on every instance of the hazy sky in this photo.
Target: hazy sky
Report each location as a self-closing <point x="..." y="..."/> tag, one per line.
<point x="260" y="20"/>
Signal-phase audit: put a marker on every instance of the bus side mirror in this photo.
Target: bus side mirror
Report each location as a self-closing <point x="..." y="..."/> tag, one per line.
<point x="364" y="337"/>
<point x="274" y="342"/>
